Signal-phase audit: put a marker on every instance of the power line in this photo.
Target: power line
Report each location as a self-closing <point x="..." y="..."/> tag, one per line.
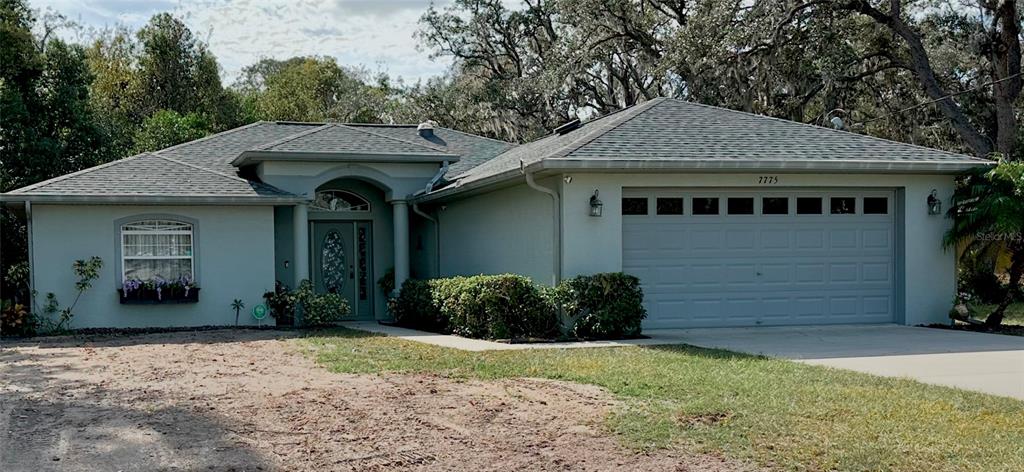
<point x="929" y="102"/>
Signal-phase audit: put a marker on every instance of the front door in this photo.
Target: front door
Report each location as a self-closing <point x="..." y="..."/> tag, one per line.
<point x="342" y="264"/>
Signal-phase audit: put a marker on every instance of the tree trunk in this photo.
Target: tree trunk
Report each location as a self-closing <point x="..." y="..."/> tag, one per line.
<point x="1006" y="59"/>
<point x="1012" y="290"/>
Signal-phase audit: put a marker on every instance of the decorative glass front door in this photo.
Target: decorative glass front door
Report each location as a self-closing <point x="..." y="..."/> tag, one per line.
<point x="341" y="263"/>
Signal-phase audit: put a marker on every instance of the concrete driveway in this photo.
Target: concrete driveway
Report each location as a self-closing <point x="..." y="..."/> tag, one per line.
<point x="988" y="363"/>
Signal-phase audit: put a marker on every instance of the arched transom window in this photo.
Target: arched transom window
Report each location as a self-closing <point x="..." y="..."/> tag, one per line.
<point x="339" y="200"/>
<point x="152" y="249"/>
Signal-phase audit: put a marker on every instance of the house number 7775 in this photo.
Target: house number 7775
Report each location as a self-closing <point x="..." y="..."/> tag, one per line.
<point x="768" y="179"/>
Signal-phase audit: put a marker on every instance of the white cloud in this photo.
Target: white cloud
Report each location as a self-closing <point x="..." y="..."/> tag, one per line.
<point x="377" y="35"/>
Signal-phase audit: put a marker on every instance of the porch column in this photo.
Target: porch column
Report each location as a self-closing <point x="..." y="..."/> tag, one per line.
<point x="300" y="235"/>
<point x="401" y="230"/>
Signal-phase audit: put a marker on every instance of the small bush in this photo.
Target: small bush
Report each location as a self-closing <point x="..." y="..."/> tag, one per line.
<point x="977" y="278"/>
<point x="603" y="306"/>
<point x="415" y="307"/>
<point x="281" y="302"/>
<point x="320" y="309"/>
<point x="16" y="320"/>
<point x="484" y="306"/>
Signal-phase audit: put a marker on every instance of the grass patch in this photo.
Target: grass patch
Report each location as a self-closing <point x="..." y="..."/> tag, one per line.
<point x="776" y="413"/>
<point x="1014" y="313"/>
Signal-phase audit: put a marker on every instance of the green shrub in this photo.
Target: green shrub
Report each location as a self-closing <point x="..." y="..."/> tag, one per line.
<point x="977" y="277"/>
<point x="320" y="309"/>
<point x="16" y="319"/>
<point x="281" y="302"/>
<point x="416" y="308"/>
<point x="604" y="306"/>
<point x="483" y="306"/>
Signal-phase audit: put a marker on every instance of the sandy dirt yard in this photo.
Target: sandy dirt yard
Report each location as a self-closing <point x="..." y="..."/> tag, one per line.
<point x="247" y="400"/>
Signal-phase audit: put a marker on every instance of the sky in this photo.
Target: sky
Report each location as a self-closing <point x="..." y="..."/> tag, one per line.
<point x="374" y="34"/>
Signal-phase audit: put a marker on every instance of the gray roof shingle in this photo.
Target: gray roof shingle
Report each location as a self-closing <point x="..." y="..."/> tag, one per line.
<point x="151" y="175"/>
<point x="218" y="150"/>
<point x="671" y="129"/>
<point x="473" y="150"/>
<point x="347" y="139"/>
<point x="665" y="129"/>
<point x="648" y="134"/>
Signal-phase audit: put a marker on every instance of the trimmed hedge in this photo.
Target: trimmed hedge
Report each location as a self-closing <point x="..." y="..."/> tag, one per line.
<point x="484" y="306"/>
<point x="600" y="306"/>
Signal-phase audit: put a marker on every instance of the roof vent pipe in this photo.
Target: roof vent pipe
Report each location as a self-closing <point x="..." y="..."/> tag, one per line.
<point x="568" y="127"/>
<point x="426" y="129"/>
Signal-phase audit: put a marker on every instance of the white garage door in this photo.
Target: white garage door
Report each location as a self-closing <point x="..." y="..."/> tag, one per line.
<point x="745" y="258"/>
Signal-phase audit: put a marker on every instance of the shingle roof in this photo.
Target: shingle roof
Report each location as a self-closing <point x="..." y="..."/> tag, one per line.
<point x="340" y="138"/>
<point x="473" y="150"/>
<point x="217" y="151"/>
<point x="552" y="145"/>
<point x="650" y="135"/>
<point x="151" y="175"/>
<point x="675" y="131"/>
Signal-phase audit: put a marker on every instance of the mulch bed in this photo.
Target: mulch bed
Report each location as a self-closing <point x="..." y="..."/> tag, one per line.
<point x="1009" y="330"/>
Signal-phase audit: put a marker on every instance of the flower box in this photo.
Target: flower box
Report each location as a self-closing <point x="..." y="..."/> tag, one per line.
<point x="148" y="296"/>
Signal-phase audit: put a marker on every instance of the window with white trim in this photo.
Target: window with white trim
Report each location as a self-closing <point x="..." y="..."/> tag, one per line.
<point x="339" y="200"/>
<point x="157" y="248"/>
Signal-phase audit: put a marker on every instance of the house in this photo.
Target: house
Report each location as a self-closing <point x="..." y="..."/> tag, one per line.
<point x="728" y="218"/>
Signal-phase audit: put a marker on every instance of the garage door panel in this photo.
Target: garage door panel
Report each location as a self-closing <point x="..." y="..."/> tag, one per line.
<point x="843" y="272"/>
<point x="809" y="238"/>
<point x="877" y="238"/>
<point x="877" y="272"/>
<point x="724" y="270"/>
<point x="810" y="274"/>
<point x="703" y="240"/>
<point x="743" y="275"/>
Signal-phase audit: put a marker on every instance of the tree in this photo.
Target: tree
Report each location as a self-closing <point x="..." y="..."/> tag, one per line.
<point x="311" y="89"/>
<point x="47" y="126"/>
<point x="161" y="67"/>
<point x="999" y="42"/>
<point x="988" y="213"/>
<point x="167" y="128"/>
<point x="799" y="60"/>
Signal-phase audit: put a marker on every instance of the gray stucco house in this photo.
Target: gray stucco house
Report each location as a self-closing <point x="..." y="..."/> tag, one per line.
<point x="728" y="218"/>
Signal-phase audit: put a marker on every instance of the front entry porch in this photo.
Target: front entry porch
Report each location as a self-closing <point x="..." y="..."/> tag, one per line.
<point x="345" y="240"/>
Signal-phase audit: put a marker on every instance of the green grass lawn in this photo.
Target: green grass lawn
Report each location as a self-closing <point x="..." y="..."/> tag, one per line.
<point x="1014" y="313"/>
<point x="775" y="413"/>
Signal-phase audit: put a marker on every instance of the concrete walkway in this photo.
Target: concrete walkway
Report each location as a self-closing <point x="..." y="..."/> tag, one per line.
<point x="988" y="363"/>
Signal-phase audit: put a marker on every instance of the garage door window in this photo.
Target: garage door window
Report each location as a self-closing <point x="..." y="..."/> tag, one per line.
<point x="808" y="206"/>
<point x="705" y="206"/>
<point x="876" y="206"/>
<point x="741" y="205"/>
<point x="670" y="206"/>
<point x="775" y="206"/>
<point x="843" y="205"/>
<point x="634" y="206"/>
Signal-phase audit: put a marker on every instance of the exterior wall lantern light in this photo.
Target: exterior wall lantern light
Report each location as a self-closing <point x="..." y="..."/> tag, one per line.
<point x="595" y="205"/>
<point x="934" y="204"/>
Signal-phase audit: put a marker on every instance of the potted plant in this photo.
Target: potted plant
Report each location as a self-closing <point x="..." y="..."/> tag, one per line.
<point x="158" y="290"/>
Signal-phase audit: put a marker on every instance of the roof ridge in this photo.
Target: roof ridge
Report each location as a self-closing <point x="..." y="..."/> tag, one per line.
<point x="293" y="137"/>
<point x="208" y="137"/>
<point x="431" y="147"/>
<point x="60" y="178"/>
<point x="479" y="136"/>
<point x="198" y="167"/>
<point x="833" y="130"/>
<point x="637" y="110"/>
<point x="413" y="125"/>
